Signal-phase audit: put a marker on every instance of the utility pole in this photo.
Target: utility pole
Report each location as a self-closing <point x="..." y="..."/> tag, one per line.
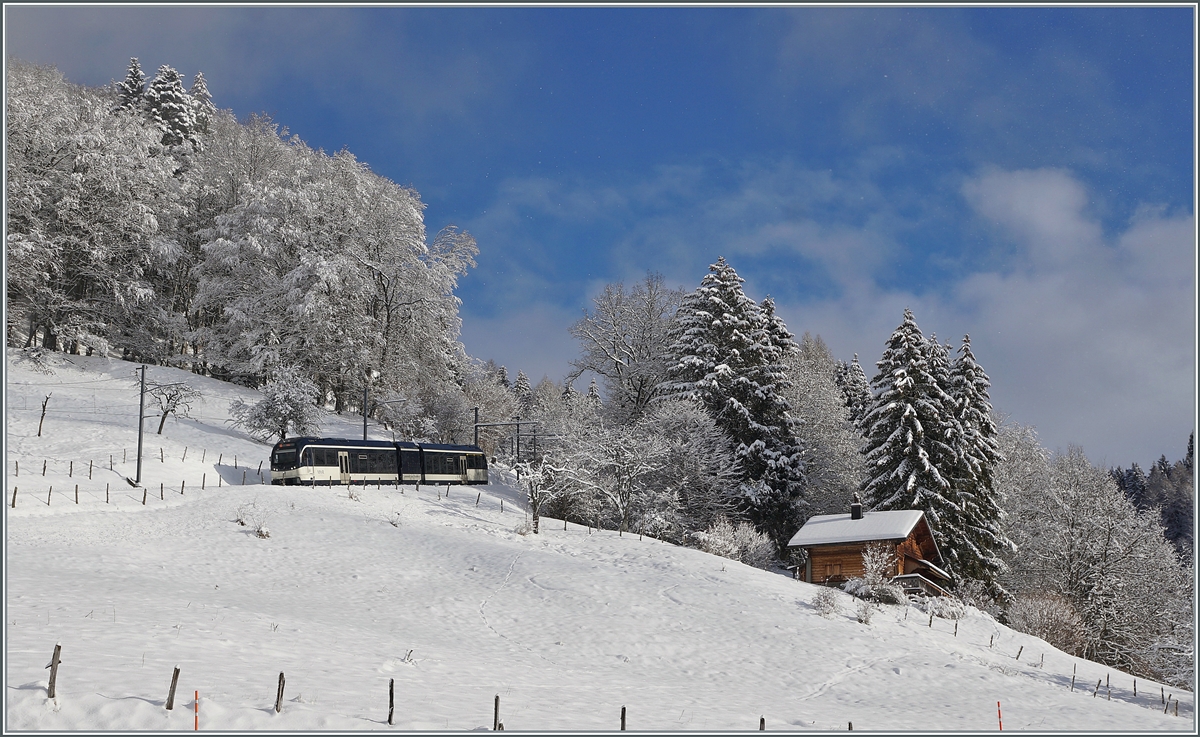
<point x="364" y="411"/>
<point x="141" y="417"/>
<point x="476" y="426"/>
<point x="518" y="453"/>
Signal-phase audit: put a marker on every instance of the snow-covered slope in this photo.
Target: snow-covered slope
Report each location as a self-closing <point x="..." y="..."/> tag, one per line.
<point x="450" y="601"/>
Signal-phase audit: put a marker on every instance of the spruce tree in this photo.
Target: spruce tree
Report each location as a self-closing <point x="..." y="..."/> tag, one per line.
<point x="523" y="392"/>
<point x="726" y="352"/>
<point x="593" y="394"/>
<point x="856" y="390"/>
<point x="977" y="552"/>
<point x="202" y="104"/>
<point x="904" y="442"/>
<point x="131" y="89"/>
<point x="169" y="108"/>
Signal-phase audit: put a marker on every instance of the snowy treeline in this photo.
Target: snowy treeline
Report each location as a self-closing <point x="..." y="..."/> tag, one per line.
<point x="1168" y="488"/>
<point x="144" y="222"/>
<point x="1090" y="572"/>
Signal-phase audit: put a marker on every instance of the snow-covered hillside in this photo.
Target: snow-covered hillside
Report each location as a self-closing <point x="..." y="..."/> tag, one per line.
<point x="443" y="594"/>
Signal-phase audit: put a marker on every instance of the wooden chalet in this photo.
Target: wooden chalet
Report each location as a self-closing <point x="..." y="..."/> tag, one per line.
<point x="834" y="545"/>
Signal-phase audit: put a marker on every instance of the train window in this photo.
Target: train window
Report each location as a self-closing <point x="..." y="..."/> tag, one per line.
<point x="283" y="460"/>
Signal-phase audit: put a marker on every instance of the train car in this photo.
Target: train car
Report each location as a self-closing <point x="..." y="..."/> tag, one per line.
<point x="453" y="464"/>
<point x="336" y="461"/>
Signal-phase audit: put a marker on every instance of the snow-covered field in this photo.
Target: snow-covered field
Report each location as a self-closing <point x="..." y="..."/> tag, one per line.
<point x="451" y="601"/>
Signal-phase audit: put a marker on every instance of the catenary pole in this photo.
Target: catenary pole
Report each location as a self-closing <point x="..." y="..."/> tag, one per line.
<point x="141" y="421"/>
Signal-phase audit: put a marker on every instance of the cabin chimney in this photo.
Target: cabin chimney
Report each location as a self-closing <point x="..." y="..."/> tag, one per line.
<point x="855" y="507"/>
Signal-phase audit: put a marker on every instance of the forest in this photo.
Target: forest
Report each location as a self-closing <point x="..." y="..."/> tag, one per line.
<point x="148" y="224"/>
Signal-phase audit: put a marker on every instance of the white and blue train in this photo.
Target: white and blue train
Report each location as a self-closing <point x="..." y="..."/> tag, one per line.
<point x="336" y="461"/>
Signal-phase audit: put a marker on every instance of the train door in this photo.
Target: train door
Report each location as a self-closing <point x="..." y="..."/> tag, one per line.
<point x="462" y="467"/>
<point x="344" y="466"/>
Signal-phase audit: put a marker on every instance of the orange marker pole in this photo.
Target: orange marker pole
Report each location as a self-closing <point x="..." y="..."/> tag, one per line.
<point x="998" y="717"/>
<point x="197" y="729"/>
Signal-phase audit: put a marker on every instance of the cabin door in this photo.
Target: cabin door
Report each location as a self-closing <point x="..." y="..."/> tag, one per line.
<point x="344" y="466"/>
<point x="462" y="466"/>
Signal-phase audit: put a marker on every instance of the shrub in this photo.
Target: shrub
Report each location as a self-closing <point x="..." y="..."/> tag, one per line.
<point x="825" y="602"/>
<point x="865" y="611"/>
<point x="741" y="543"/>
<point x="1050" y="617"/>
<point x="940" y="606"/>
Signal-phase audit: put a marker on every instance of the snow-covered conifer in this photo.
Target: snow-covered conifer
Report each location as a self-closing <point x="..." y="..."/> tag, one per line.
<point x="903" y="430"/>
<point x="593" y="394"/>
<point x="726" y="352"/>
<point x="131" y="89"/>
<point x="169" y="107"/>
<point x="979" y="502"/>
<point x="202" y="104"/>
<point x="856" y="390"/>
<point x="523" y="392"/>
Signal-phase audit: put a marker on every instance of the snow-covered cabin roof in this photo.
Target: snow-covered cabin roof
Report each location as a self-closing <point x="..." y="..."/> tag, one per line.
<point x="829" y="529"/>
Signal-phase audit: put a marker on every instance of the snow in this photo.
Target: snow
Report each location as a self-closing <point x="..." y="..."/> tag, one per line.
<point x="826" y="529"/>
<point x="451" y="602"/>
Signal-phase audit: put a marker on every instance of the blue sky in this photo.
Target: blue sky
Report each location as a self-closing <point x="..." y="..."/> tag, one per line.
<point x="1025" y="175"/>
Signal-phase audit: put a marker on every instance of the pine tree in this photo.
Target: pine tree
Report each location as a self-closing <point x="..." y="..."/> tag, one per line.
<point x="131" y="89"/>
<point x="904" y="427"/>
<point x="202" y="104"/>
<point x="726" y="352"/>
<point x="978" y="452"/>
<point x="169" y="108"/>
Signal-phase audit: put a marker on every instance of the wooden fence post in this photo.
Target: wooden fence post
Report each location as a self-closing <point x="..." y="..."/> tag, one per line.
<point x="48" y="494"/>
<point x="89" y="470"/>
<point x="143" y="497"/>
<point x="162" y="493"/>
<point x="496" y="715"/>
<point x="184" y="454"/>
<point x="181" y="485"/>
<point x="106" y="493"/>
<point x="243" y="478"/>
<point x="76" y="493"/>
<point x="622" y="718"/>
<point x="14" y="504"/>
<point x="71" y="469"/>
<point x="1073" y="668"/>
<point x="171" y="693"/>
<point x="260" y="468"/>
<point x="44" y="467"/>
<point x="477" y="497"/>
<point x="18" y="473"/>
<point x="162" y="457"/>
<point x="235" y="465"/>
<point x="1019" y="651"/>
<point x="203" y="478"/>
<point x="279" y="694"/>
<point x="1096" y="690"/>
<point x="54" y="661"/>
<point x="391" y="698"/>
<point x="849" y="726"/>
<point x="762" y="723"/>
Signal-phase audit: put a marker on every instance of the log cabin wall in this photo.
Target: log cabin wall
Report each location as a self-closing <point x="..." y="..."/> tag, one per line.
<point x="837" y="562"/>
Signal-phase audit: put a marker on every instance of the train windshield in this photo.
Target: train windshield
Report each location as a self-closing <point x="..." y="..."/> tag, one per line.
<point x="283" y="459"/>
